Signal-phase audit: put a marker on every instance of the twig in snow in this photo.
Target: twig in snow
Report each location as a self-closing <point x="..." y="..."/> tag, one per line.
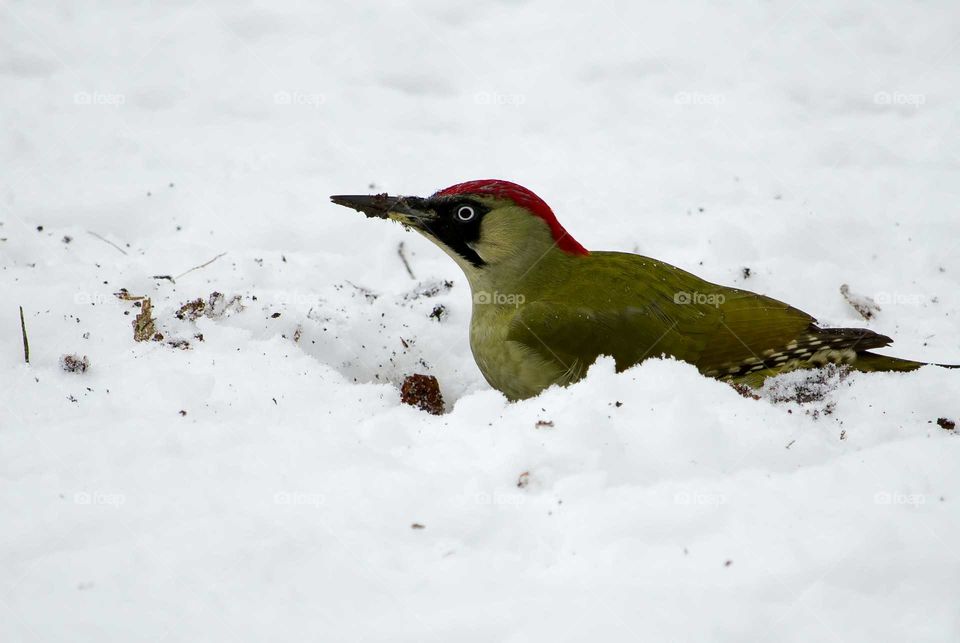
<point x="105" y="240"/>
<point x="203" y="265"/>
<point x="26" y="344"/>
<point x="403" y="257"/>
<point x="173" y="279"/>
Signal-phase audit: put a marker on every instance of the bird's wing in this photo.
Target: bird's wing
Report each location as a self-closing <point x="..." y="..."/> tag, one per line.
<point x="659" y="309"/>
<point x="746" y="329"/>
<point x="571" y="338"/>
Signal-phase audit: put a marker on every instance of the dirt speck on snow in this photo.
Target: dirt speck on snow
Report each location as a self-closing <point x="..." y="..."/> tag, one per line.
<point x="74" y="363"/>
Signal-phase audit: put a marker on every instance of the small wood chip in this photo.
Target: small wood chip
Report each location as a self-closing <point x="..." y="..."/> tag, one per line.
<point x="143" y="325"/>
<point x="125" y="295"/>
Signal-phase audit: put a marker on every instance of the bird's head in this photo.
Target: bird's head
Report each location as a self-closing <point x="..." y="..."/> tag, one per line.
<point x="483" y="225"/>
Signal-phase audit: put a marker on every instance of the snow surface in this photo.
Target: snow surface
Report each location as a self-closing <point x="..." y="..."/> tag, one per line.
<point x="254" y="487"/>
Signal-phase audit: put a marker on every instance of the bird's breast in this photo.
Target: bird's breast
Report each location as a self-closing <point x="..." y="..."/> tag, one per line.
<point x="507" y="365"/>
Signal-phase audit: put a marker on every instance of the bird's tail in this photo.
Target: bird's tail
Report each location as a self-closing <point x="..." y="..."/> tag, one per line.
<point x="871" y="363"/>
<point x="848" y="347"/>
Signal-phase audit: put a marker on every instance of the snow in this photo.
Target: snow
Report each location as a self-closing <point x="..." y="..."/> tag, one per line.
<point x="254" y="487"/>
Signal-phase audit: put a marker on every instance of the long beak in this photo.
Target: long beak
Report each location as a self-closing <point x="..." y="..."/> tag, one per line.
<point x="409" y="210"/>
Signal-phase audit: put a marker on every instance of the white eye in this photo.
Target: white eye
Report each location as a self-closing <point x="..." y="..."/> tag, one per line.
<point x="465" y="213"/>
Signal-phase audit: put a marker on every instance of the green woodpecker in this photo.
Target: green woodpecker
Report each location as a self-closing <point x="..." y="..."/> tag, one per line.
<point x="544" y="308"/>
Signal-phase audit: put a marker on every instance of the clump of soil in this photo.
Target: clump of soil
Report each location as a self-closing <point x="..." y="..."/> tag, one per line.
<point x="218" y="305"/>
<point x="192" y="310"/>
<point x="74" y="363"/>
<point x="745" y="391"/>
<point x="215" y="306"/>
<point x="804" y="387"/>
<point x="145" y="326"/>
<point x="423" y="392"/>
<point x="814" y="390"/>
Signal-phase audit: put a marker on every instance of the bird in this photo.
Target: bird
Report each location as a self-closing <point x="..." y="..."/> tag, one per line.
<point x="545" y="308"/>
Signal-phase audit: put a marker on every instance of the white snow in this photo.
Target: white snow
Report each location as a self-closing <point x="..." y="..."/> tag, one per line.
<point x="815" y="143"/>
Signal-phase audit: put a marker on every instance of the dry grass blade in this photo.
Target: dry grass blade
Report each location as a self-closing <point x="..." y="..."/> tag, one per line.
<point x="23" y="332"/>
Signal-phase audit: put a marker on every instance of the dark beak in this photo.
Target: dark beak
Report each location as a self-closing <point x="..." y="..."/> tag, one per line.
<point x="409" y="210"/>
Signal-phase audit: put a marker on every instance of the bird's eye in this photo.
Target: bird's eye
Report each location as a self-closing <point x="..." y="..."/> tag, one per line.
<point x="465" y="213"/>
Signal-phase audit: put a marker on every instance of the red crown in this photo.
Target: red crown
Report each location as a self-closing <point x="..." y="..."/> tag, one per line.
<point x="525" y="199"/>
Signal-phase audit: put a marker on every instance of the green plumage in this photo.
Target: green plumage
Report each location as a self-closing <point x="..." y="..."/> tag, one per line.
<point x="649" y="308"/>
